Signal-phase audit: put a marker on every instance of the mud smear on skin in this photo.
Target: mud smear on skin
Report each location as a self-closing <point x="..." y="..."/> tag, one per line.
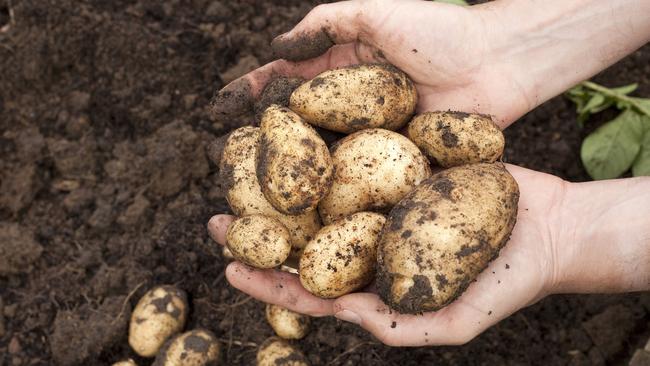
<point x="233" y="100"/>
<point x="302" y="46"/>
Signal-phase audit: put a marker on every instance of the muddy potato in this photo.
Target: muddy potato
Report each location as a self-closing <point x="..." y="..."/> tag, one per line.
<point x="457" y="138"/>
<point x="277" y="352"/>
<point x="259" y="241"/>
<point x="198" y="347"/>
<point x="353" y="98"/>
<point x="128" y="362"/>
<point x="342" y="256"/>
<point x="439" y="238"/>
<point x="159" y="314"/>
<point x="243" y="192"/>
<point x="373" y="170"/>
<point x="287" y="324"/>
<point x="293" y="164"/>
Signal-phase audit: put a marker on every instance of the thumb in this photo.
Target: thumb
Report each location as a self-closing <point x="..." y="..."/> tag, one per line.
<point x="325" y="26"/>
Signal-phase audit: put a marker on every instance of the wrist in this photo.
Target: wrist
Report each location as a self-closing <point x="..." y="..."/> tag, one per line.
<point x="604" y="243"/>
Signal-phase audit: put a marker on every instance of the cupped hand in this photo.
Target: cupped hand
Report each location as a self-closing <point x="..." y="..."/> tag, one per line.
<point x="447" y="50"/>
<point x="525" y="271"/>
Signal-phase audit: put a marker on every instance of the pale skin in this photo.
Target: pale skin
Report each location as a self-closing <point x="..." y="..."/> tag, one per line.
<point x="503" y="58"/>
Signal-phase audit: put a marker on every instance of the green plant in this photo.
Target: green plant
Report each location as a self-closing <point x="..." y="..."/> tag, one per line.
<point x="455" y="2"/>
<point x="620" y="144"/>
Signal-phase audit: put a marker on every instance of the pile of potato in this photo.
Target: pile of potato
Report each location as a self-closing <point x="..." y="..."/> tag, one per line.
<point x="369" y="207"/>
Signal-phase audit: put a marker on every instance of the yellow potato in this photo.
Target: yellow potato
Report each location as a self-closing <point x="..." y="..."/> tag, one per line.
<point x="277" y="352"/>
<point x="259" y="241"/>
<point x="457" y="138"/>
<point x="198" y="347"/>
<point x="354" y="98"/>
<point x="287" y="324"/>
<point x="373" y="170"/>
<point x="159" y="314"/>
<point x="243" y="192"/>
<point x="294" y="167"/>
<point x="128" y="362"/>
<point x="439" y="238"/>
<point x="342" y="256"/>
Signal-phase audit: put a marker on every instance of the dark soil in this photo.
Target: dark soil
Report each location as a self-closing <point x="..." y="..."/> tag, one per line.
<point x="106" y="187"/>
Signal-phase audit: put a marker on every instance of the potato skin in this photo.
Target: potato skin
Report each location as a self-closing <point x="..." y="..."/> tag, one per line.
<point x="443" y="234"/>
<point x="287" y="324"/>
<point x="373" y="170"/>
<point x="293" y="164"/>
<point x="243" y="192"/>
<point x="159" y="314"/>
<point x="342" y="256"/>
<point x="198" y="347"/>
<point x="128" y="362"/>
<point x="259" y="241"/>
<point x="354" y="98"/>
<point x="457" y="138"/>
<point x="277" y="352"/>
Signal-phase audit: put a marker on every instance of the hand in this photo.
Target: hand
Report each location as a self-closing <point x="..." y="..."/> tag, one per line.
<point x="442" y="47"/>
<point x="524" y="272"/>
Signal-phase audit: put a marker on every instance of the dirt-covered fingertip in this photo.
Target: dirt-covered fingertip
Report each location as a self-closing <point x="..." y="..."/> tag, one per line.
<point x="233" y="100"/>
<point x="302" y="45"/>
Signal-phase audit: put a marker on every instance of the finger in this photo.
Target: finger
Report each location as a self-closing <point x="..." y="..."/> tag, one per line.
<point x="276" y="287"/>
<point x="324" y="26"/>
<point x="238" y="97"/>
<point x="218" y="226"/>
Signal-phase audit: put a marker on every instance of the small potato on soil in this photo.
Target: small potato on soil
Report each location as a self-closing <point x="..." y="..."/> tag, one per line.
<point x="259" y="241"/>
<point x="457" y="138"/>
<point x="354" y="98"/>
<point x="277" y="352"/>
<point x="287" y="324"/>
<point x="128" y="362"/>
<point x="373" y="170"/>
<point x="198" y="347"/>
<point x="342" y="256"/>
<point x="160" y="313"/>
<point x="244" y="194"/>
<point x="440" y="237"/>
<point x="293" y="164"/>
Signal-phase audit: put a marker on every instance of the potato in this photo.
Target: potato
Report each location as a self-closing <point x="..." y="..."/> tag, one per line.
<point x="342" y="256"/>
<point x="373" y="170"/>
<point x="457" y="138"/>
<point x="353" y="98"/>
<point x="439" y="238"/>
<point x="194" y="348"/>
<point x="277" y="352"/>
<point x="227" y="253"/>
<point x="128" y="362"/>
<point x="243" y="192"/>
<point x="286" y="323"/>
<point x="160" y="313"/>
<point x="259" y="241"/>
<point x="293" y="164"/>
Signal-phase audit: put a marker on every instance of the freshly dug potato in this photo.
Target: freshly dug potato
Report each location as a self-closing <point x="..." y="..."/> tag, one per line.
<point x="128" y="362"/>
<point x="342" y="256"/>
<point x="457" y="138"/>
<point x="259" y="241"/>
<point x="277" y="352"/>
<point x="227" y="253"/>
<point x="293" y="164"/>
<point x="286" y="323"/>
<point x="198" y="347"/>
<point x="243" y="192"/>
<point x="354" y="98"/>
<point x="373" y="170"/>
<point x="443" y="234"/>
<point x="159" y="314"/>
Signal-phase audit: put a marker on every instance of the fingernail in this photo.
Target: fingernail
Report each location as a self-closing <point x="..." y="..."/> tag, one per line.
<point x="348" y="316"/>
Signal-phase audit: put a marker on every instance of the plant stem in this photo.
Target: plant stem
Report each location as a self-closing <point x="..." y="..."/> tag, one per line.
<point x="605" y="91"/>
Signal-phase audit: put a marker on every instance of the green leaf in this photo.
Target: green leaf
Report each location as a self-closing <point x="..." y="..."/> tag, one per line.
<point x="625" y="90"/>
<point x="641" y="165"/>
<point x="455" y="2"/>
<point x="610" y="150"/>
